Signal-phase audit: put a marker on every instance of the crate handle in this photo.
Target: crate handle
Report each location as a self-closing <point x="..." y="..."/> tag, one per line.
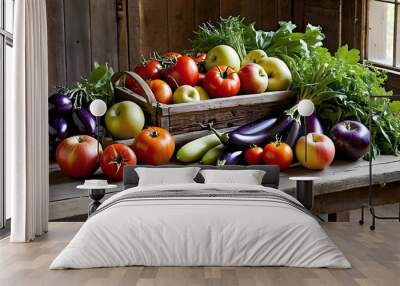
<point x="148" y="94"/>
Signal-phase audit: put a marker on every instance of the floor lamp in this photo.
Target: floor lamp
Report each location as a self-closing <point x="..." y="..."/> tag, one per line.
<point x="305" y="185"/>
<point x="98" y="108"/>
<point x="369" y="205"/>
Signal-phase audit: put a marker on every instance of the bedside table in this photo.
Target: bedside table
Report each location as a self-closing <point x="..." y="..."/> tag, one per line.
<point x="96" y="193"/>
<point x="304" y="190"/>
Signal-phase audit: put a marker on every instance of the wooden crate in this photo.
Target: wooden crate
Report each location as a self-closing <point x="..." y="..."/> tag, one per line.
<point x="183" y="120"/>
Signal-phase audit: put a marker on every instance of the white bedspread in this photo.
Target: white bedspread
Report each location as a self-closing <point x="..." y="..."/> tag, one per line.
<point x="200" y="231"/>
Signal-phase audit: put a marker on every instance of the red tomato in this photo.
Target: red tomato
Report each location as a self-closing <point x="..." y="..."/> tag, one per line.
<point x="77" y="156"/>
<point x="161" y="90"/>
<point x="183" y="72"/>
<point x="114" y="158"/>
<point x="154" y="146"/>
<point x="278" y="153"/>
<point x="221" y="81"/>
<point x="170" y="55"/>
<point x="253" y="155"/>
<point x="131" y="84"/>
<point x="149" y="69"/>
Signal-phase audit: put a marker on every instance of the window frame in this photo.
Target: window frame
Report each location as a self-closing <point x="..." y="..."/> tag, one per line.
<point x="6" y="39"/>
<point x="385" y="67"/>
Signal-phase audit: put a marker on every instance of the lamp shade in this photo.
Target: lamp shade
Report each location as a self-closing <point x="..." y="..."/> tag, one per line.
<point x="98" y="107"/>
<point x="305" y="107"/>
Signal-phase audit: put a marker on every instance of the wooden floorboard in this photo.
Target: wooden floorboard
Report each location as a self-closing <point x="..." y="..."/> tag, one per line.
<point x="375" y="257"/>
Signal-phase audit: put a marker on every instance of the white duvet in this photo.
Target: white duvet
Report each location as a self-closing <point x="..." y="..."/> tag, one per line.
<point x="200" y="231"/>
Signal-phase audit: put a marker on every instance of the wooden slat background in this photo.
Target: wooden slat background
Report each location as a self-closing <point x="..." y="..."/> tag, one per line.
<point x="119" y="32"/>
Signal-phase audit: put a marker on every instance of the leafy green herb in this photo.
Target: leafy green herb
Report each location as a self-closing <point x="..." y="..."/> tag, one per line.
<point x="359" y="82"/>
<point x="285" y="43"/>
<point x="229" y="31"/>
<point x="341" y="87"/>
<point x="97" y="85"/>
<point x="312" y="77"/>
<point x="233" y="32"/>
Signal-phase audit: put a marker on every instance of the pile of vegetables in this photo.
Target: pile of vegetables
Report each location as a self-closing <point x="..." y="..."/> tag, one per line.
<point x="232" y="58"/>
<point x="339" y="84"/>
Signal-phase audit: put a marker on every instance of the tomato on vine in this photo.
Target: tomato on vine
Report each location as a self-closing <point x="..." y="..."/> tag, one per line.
<point x="149" y="69"/>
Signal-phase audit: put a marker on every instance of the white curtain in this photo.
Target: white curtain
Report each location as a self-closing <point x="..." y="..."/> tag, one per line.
<point x="26" y="124"/>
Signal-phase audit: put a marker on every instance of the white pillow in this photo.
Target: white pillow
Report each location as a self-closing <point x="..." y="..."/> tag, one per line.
<point x="163" y="176"/>
<point x="247" y="177"/>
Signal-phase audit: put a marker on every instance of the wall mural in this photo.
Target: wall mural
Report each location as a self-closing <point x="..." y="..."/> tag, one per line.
<point x="231" y="99"/>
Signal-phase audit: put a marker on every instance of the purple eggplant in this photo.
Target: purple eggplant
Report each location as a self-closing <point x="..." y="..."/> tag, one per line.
<point x="235" y="140"/>
<point x="84" y="121"/>
<point x="60" y="103"/>
<point x="58" y="128"/>
<point x="352" y="139"/>
<point x="230" y="157"/>
<point x="262" y="137"/>
<point x="314" y="125"/>
<point x="248" y="140"/>
<point x="257" y="126"/>
<point x="293" y="134"/>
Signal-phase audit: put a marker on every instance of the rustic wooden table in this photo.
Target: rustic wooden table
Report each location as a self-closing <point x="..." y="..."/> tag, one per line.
<point x="342" y="187"/>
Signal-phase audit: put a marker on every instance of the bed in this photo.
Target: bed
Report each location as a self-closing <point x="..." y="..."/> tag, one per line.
<point x="201" y="224"/>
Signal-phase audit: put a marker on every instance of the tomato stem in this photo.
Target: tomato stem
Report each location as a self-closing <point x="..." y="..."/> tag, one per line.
<point x="278" y="140"/>
<point x="219" y="71"/>
<point x="154" y="133"/>
<point x="119" y="159"/>
<point x="144" y="61"/>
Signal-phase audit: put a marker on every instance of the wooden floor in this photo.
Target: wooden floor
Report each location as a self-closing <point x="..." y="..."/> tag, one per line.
<point x="375" y="257"/>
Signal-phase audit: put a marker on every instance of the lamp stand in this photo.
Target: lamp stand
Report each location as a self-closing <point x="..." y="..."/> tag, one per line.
<point x="369" y="204"/>
<point x="305" y="137"/>
<point x="98" y="138"/>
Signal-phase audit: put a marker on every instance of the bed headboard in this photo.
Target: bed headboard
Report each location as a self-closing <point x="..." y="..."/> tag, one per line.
<point x="271" y="178"/>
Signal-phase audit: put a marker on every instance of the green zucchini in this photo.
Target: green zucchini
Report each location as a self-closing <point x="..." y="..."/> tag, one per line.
<point x="212" y="155"/>
<point x="194" y="150"/>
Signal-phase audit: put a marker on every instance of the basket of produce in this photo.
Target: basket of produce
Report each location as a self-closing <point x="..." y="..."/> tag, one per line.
<point x="191" y="106"/>
<point x="216" y="81"/>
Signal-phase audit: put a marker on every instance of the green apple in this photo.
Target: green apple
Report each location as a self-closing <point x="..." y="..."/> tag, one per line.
<point x="223" y="55"/>
<point x="202" y="92"/>
<point x="186" y="93"/>
<point x="279" y="75"/>
<point x="124" y="120"/>
<point x="253" y="57"/>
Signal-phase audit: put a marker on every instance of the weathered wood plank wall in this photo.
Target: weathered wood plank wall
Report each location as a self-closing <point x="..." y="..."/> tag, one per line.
<point x="82" y="32"/>
<point x="341" y="20"/>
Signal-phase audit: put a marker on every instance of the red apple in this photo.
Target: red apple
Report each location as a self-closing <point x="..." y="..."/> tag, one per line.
<point x="77" y="156"/>
<point x="320" y="151"/>
<point x="253" y="79"/>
